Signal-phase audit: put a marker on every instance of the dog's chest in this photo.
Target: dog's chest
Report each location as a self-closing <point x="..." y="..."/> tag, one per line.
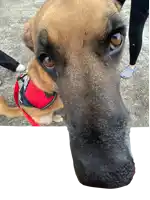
<point x="31" y="96"/>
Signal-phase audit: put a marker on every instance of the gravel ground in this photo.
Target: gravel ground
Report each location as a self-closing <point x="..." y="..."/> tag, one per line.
<point x="13" y="14"/>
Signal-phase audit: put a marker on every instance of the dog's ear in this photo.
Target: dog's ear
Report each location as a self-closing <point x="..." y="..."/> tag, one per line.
<point x="27" y="35"/>
<point x="43" y="38"/>
<point x="45" y="50"/>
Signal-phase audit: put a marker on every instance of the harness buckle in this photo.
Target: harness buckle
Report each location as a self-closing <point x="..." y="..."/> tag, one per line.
<point x="21" y="77"/>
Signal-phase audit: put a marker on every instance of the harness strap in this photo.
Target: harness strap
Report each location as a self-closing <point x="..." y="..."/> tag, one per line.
<point x="16" y="98"/>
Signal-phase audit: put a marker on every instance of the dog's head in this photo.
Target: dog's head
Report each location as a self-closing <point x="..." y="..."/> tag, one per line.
<point x="80" y="42"/>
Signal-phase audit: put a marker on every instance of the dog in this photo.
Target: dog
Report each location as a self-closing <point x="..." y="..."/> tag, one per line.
<point x="78" y="37"/>
<point x="35" y="83"/>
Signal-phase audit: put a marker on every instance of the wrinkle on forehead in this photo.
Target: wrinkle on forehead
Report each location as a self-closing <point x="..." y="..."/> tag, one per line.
<point x="70" y="22"/>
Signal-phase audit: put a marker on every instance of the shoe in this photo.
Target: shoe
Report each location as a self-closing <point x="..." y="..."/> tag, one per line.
<point x="20" y="68"/>
<point x="128" y="72"/>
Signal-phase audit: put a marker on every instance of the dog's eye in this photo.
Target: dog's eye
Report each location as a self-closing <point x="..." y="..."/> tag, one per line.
<point x="111" y="44"/>
<point x="48" y="62"/>
<point x="115" y="42"/>
<point x="45" y="61"/>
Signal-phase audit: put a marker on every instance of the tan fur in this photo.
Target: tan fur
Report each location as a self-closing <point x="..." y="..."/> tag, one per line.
<point x="67" y="21"/>
<point x="70" y="23"/>
<point x="40" y="77"/>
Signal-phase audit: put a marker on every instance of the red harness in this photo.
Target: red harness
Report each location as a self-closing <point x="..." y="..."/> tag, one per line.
<point x="34" y="97"/>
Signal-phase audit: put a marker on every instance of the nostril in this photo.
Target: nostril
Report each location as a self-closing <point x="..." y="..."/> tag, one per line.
<point x="74" y="125"/>
<point x="86" y="95"/>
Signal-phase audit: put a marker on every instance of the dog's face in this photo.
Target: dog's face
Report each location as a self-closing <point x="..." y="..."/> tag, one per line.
<point x="79" y="38"/>
<point x="78" y="41"/>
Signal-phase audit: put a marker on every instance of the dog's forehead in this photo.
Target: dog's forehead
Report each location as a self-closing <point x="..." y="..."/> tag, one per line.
<point x="66" y="20"/>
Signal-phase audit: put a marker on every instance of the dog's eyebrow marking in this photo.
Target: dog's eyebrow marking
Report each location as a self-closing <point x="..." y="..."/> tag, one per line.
<point x="53" y="51"/>
<point x="46" y="47"/>
<point x="116" y="23"/>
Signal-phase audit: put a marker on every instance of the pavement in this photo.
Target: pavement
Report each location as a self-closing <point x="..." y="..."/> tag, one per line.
<point x="135" y="91"/>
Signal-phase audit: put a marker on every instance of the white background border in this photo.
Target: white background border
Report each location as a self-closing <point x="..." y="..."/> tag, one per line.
<point x="36" y="164"/>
